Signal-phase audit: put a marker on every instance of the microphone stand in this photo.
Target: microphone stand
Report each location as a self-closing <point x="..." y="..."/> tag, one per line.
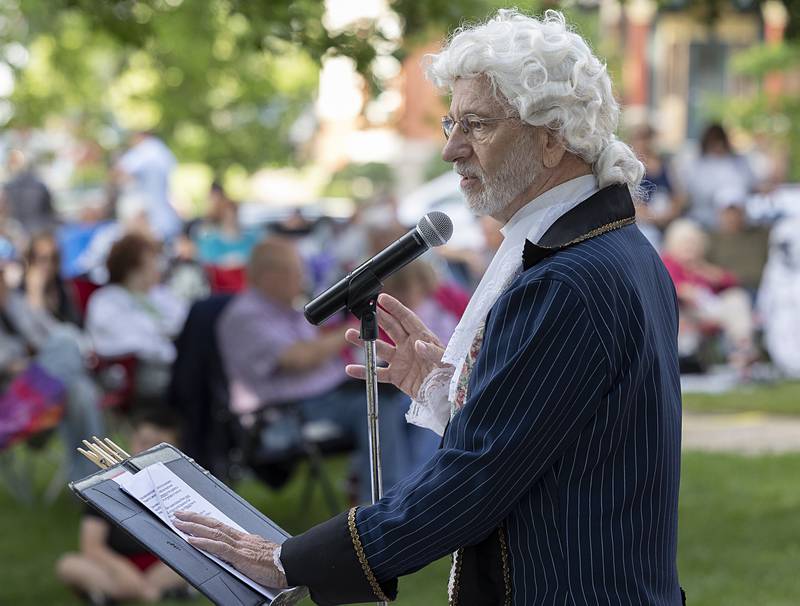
<point x="369" y="334"/>
<point x="362" y="294"/>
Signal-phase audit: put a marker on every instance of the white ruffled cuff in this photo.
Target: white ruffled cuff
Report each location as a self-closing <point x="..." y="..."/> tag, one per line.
<point x="431" y="408"/>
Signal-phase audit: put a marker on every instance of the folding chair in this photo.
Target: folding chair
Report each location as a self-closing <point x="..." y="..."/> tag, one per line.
<point x="281" y="437"/>
<point x="216" y="438"/>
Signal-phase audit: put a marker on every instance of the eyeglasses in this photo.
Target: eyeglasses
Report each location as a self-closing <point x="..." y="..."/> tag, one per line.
<point x="471" y="125"/>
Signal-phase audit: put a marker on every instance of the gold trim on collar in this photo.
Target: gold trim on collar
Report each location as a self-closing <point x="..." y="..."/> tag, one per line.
<point x="362" y="557"/>
<point x="597" y="231"/>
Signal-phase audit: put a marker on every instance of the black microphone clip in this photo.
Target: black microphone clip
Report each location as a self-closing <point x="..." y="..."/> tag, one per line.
<point x="363" y="288"/>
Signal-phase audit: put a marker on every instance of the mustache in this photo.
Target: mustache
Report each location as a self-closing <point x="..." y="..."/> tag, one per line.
<point x="466" y="171"/>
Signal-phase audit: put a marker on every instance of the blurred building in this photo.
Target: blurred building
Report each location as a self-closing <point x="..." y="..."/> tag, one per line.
<point x="677" y="57"/>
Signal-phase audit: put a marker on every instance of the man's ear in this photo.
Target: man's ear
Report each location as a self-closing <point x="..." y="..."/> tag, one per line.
<point x="553" y="149"/>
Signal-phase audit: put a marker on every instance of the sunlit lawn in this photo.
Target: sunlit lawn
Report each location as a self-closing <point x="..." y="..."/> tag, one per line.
<point x="739" y="528"/>
<point x="778" y="398"/>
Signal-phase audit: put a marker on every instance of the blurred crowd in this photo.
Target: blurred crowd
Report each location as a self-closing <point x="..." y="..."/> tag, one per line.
<point x="131" y="313"/>
<point x="735" y="270"/>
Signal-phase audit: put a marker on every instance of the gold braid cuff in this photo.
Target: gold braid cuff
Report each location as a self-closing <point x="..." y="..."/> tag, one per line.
<point x="362" y="557"/>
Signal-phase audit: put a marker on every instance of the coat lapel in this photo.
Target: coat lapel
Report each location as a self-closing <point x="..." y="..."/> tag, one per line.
<point x="608" y="209"/>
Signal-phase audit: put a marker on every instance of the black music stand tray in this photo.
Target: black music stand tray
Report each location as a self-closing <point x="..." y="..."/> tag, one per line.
<point x="217" y="584"/>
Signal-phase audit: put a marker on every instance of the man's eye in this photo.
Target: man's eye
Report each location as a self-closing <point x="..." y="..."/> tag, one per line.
<point x="474" y="124"/>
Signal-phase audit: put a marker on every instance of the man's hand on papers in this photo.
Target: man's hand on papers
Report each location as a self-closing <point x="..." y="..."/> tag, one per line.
<point x="248" y="553"/>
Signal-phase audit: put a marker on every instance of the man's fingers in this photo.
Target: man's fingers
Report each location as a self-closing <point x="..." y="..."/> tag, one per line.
<point x="190" y="516"/>
<point x="352" y="337"/>
<point x="224" y="534"/>
<point x="357" y="371"/>
<point x="217" y="548"/>
<point x="204" y="526"/>
<point x="407" y="318"/>
<point x="384" y="350"/>
<point x="391" y="325"/>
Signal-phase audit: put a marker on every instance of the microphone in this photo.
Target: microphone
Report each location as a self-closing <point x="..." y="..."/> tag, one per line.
<point x="365" y="281"/>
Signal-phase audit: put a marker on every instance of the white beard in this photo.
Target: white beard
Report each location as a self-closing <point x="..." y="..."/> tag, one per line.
<point x="493" y="195"/>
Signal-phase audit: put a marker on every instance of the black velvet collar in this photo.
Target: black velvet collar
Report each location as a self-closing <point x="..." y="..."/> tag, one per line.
<point x="608" y="209"/>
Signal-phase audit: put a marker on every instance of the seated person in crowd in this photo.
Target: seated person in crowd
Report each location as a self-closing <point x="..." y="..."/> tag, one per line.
<point x="11" y="230"/>
<point x="664" y="203"/>
<point x="272" y="355"/>
<point x="130" y="218"/>
<point x="718" y="166"/>
<point x="220" y="239"/>
<point x="735" y="243"/>
<point x="28" y="336"/>
<point x="709" y="296"/>
<point x="185" y="276"/>
<point x="133" y="315"/>
<point x="109" y="564"/>
<point x="44" y="289"/>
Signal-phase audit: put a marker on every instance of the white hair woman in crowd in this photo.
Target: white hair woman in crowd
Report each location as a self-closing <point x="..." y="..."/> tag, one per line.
<point x="710" y="296"/>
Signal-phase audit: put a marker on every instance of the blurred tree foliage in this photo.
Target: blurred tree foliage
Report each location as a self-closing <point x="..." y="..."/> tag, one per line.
<point x="775" y="116"/>
<point x="221" y="80"/>
<point x="360" y="181"/>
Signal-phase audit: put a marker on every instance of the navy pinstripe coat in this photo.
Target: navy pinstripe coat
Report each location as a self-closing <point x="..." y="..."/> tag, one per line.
<point x="558" y="481"/>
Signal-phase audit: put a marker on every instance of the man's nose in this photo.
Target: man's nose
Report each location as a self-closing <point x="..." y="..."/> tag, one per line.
<point x="457" y="147"/>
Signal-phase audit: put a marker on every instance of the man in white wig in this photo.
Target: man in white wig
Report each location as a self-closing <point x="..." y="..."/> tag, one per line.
<point x="558" y="396"/>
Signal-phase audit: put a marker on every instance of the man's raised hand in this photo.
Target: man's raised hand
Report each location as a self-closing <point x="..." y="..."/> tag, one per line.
<point x="415" y="353"/>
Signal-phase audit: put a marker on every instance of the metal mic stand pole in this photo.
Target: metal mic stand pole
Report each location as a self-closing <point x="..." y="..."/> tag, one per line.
<point x="369" y="334"/>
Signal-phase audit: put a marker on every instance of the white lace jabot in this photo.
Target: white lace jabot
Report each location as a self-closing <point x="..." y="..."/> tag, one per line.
<point x="432" y="408"/>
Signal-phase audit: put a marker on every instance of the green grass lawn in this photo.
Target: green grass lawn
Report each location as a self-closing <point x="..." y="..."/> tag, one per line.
<point x="32" y="538"/>
<point x="739" y="536"/>
<point x="778" y="398"/>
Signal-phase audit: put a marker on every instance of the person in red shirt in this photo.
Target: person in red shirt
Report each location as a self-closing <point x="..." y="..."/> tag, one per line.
<point x="710" y="296"/>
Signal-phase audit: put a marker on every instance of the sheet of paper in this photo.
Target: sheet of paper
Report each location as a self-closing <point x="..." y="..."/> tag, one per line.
<point x="121" y="475"/>
<point x="162" y="492"/>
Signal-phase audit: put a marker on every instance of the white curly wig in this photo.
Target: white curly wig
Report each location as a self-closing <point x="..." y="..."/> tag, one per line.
<point x="550" y="77"/>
